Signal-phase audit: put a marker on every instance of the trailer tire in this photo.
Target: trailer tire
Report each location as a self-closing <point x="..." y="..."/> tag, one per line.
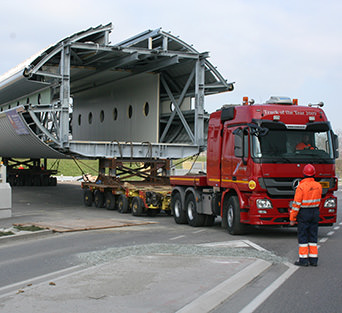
<point x="122" y="204"/>
<point x="110" y="202"/>
<point x="99" y="199"/>
<point x="137" y="206"/>
<point x="234" y="226"/>
<point x="177" y="209"/>
<point x="194" y="218"/>
<point x="88" y="197"/>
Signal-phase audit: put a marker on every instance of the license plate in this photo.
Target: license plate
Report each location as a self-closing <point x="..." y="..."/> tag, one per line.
<point x="324" y="184"/>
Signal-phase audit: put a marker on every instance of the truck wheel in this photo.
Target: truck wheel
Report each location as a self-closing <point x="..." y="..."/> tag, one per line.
<point x="194" y="218"/>
<point x="233" y="217"/>
<point x="137" y="206"/>
<point x="122" y="204"/>
<point x="99" y="199"/>
<point x="88" y="197"/>
<point x="109" y="201"/>
<point x="177" y="209"/>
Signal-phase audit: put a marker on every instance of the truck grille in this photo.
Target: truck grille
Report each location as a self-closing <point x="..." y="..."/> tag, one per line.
<point x="282" y="187"/>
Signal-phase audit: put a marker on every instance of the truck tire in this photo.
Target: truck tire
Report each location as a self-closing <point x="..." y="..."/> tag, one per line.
<point x="177" y="209"/>
<point x="122" y="204"/>
<point x="88" y="197"/>
<point x="99" y="199"/>
<point x="137" y="206"/>
<point x="110" y="201"/>
<point x="234" y="226"/>
<point x="194" y="218"/>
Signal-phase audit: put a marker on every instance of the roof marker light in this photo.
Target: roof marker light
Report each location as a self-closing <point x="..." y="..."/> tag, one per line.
<point x="295" y="101"/>
<point x="245" y="101"/>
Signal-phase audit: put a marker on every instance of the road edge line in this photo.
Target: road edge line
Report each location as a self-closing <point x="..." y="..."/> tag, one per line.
<point x="212" y="298"/>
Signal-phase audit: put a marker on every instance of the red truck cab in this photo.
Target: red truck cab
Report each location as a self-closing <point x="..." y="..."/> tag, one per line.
<point x="254" y="163"/>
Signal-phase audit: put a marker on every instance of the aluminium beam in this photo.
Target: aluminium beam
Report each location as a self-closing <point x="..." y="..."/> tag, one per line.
<point x="131" y="150"/>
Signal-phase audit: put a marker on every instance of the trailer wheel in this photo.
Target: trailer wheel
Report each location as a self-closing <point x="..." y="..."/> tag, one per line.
<point x="177" y="209"/>
<point x="88" y="197"/>
<point x="122" y="204"/>
<point x="194" y="218"/>
<point x="99" y="199"/>
<point x="137" y="206"/>
<point x="109" y="201"/>
<point x="233" y="217"/>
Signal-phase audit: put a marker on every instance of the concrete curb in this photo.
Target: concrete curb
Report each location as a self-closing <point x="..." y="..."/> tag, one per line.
<point x="223" y="291"/>
<point x="35" y="234"/>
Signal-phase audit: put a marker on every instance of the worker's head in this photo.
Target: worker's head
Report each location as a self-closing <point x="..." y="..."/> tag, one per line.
<point x="306" y="138"/>
<point x="309" y="170"/>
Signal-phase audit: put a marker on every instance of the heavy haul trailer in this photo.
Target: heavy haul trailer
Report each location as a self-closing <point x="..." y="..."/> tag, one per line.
<point x="139" y="187"/>
<point x="29" y="172"/>
<point x="254" y="166"/>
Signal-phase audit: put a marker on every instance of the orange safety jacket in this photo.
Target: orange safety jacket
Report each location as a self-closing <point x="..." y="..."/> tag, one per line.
<point x="308" y="195"/>
<point x="302" y="146"/>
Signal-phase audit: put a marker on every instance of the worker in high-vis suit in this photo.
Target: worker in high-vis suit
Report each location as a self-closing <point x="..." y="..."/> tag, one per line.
<point x="305" y="210"/>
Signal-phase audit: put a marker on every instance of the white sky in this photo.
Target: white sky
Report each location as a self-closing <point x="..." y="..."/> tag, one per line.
<point x="268" y="47"/>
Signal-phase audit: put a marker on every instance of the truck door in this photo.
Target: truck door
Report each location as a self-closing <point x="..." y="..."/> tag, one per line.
<point x="235" y="156"/>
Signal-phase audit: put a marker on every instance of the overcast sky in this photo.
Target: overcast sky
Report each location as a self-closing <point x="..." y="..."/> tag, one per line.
<point x="277" y="47"/>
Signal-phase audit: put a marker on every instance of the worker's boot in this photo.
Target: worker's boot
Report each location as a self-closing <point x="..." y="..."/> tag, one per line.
<point x="302" y="262"/>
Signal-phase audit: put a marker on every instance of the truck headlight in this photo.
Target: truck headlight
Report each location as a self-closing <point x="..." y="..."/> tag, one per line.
<point x="263" y="204"/>
<point x="330" y="203"/>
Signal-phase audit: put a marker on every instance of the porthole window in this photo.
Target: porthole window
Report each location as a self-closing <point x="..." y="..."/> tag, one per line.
<point x="101" y="116"/>
<point x="115" y="114"/>
<point x="79" y="119"/>
<point x="146" y="108"/>
<point x="130" y="112"/>
<point x="90" y="117"/>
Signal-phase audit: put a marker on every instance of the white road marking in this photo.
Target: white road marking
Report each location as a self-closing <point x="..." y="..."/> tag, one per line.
<point x="251" y="307"/>
<point x="330" y="233"/>
<point x="199" y="231"/>
<point x="323" y="239"/>
<point x="226" y="244"/>
<point x="178" y="237"/>
<point x="254" y="245"/>
<point x="336" y="227"/>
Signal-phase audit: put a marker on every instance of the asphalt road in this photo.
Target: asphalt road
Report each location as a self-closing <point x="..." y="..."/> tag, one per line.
<point x="308" y="290"/>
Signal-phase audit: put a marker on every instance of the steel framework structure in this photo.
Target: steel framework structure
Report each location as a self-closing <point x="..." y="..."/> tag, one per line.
<point x="36" y="111"/>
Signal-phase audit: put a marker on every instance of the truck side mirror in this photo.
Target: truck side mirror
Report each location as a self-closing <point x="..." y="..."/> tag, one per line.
<point x="335" y="144"/>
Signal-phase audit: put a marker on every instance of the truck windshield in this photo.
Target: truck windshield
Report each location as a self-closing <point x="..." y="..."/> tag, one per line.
<point x="293" y="145"/>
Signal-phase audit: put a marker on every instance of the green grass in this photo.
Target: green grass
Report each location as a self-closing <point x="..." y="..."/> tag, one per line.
<point x="6" y="233"/>
<point x="69" y="167"/>
<point x="28" y="228"/>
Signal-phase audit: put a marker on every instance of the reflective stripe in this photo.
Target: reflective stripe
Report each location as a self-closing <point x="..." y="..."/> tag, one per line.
<point x="303" y="250"/>
<point x="311" y="201"/>
<point x="296" y="202"/>
<point x="295" y="209"/>
<point x="313" y="250"/>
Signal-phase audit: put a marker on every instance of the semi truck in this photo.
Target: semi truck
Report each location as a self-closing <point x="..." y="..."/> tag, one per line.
<point x="254" y="164"/>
